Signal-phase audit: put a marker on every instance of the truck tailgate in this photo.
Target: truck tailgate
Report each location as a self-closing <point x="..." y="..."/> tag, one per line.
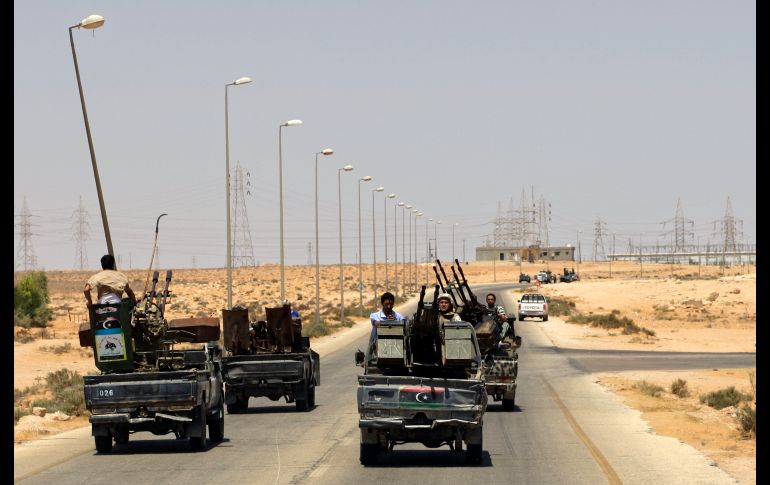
<point x="244" y="369"/>
<point x="419" y="401"/>
<point x="142" y="389"/>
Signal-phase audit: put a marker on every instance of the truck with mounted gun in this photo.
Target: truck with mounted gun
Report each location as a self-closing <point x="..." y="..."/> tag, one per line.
<point x="268" y="358"/>
<point x="145" y="383"/>
<point x="422" y="383"/>
<point x="499" y="351"/>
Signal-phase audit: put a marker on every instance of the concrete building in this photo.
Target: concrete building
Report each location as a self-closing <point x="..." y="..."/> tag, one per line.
<point x="528" y="253"/>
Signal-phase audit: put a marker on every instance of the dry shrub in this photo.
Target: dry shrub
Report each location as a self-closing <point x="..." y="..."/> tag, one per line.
<point x="648" y="388"/>
<point x="679" y="388"/>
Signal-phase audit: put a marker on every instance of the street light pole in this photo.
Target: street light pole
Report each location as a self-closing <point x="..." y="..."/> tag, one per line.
<point x="91" y="22"/>
<point x="385" y="225"/>
<point x="435" y="238"/>
<point x="237" y="82"/>
<point x="453" y="239"/>
<point x="409" y="261"/>
<point x="360" y="268"/>
<point x="414" y="266"/>
<point x="346" y="168"/>
<point x="374" y="246"/>
<point x="327" y="152"/>
<point x="395" y="240"/>
<point x="280" y="198"/>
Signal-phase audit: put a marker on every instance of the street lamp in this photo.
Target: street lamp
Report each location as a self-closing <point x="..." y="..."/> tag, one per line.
<point x="374" y="245"/>
<point x="453" y="239"/>
<point x="435" y="238"/>
<point x="280" y="196"/>
<point x="91" y="22"/>
<point x="395" y="240"/>
<point x="326" y="152"/>
<point x="409" y="260"/>
<point x="385" y="225"/>
<point x="346" y="168"/>
<point x="414" y="261"/>
<point x="237" y="82"/>
<point x="366" y="178"/>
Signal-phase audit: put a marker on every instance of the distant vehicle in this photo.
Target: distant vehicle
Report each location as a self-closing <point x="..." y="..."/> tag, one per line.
<point x="533" y="305"/>
<point x="569" y="276"/>
<point x="524" y="278"/>
<point x="545" y="277"/>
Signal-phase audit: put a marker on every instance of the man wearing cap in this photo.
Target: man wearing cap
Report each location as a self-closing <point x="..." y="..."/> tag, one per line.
<point x="446" y="312"/>
<point x="109" y="284"/>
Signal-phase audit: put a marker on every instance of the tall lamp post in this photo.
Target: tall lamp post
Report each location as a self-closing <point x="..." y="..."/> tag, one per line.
<point x="435" y="238"/>
<point x="374" y="246"/>
<point x="366" y="178"/>
<point x="414" y="266"/>
<point x="326" y="152"/>
<point x="385" y="225"/>
<point x="346" y="168"/>
<point x="237" y="82"/>
<point x="91" y="22"/>
<point x="280" y="197"/>
<point x="453" y="239"/>
<point x="408" y="261"/>
<point x="403" y="253"/>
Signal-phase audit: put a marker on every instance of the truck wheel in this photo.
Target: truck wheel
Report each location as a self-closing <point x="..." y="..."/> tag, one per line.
<point x="197" y="443"/>
<point x="233" y="408"/>
<point x="521" y="317"/>
<point x="217" y="425"/>
<point x="103" y="443"/>
<point x="509" y="404"/>
<point x="311" y="397"/>
<point x="301" y="405"/>
<point x="121" y="435"/>
<point x="545" y="318"/>
<point x="368" y="454"/>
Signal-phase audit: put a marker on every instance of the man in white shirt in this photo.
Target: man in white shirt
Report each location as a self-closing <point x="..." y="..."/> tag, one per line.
<point x="109" y="284"/>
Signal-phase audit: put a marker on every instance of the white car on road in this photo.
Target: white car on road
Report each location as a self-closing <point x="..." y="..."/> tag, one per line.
<point x="533" y="305"/>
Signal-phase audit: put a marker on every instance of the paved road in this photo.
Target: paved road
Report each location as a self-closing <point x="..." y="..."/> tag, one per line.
<point x="565" y="429"/>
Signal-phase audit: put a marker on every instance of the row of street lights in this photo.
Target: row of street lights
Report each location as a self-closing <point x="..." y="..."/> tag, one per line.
<point x="96" y="21"/>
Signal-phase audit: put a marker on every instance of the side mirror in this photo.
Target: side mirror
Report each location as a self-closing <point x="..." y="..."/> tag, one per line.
<point x="360" y="356"/>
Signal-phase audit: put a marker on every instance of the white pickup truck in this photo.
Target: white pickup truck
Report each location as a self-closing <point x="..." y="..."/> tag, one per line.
<point x="533" y="305"/>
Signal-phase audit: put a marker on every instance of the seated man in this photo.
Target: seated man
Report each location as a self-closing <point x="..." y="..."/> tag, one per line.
<point x="386" y="314"/>
<point x="498" y="312"/>
<point x="446" y="312"/>
<point x="109" y="284"/>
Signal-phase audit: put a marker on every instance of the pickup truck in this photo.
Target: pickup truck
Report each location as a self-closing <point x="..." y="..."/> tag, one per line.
<point x="533" y="305"/>
<point x="182" y="401"/>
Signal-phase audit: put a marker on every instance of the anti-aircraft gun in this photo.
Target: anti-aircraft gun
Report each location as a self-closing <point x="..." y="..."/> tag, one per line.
<point x="268" y="358"/>
<point x="422" y="383"/>
<point x="500" y="359"/>
<point x="145" y="383"/>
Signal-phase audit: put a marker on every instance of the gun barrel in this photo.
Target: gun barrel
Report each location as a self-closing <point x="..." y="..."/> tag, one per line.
<point x="448" y="284"/>
<point x="438" y="278"/>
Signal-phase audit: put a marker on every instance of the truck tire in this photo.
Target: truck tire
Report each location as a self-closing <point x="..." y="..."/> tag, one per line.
<point x="521" y="317"/>
<point x="509" y="404"/>
<point x="473" y="453"/>
<point x="233" y="408"/>
<point x="311" y="397"/>
<point x="103" y="443"/>
<point x="545" y="318"/>
<point x="368" y="453"/>
<point x="216" y="425"/>
<point x="121" y="435"/>
<point x="197" y="443"/>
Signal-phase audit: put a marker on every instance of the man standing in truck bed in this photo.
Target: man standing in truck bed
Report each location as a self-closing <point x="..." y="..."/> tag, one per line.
<point x="109" y="284"/>
<point x="386" y="314"/>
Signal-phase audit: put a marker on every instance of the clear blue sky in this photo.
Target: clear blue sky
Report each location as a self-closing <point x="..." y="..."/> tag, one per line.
<point x="610" y="109"/>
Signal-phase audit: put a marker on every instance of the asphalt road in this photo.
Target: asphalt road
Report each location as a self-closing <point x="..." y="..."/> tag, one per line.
<point x="565" y="429"/>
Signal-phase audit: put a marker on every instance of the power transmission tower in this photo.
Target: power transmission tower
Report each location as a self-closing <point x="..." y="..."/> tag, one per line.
<point x="544" y="220"/>
<point x="80" y="226"/>
<point x="309" y="253"/>
<point x="510" y="224"/>
<point x="27" y="259"/>
<point x="243" y="250"/>
<point x="498" y="236"/>
<point x="599" y="230"/>
<point x="680" y="232"/>
<point x="193" y="262"/>
<point x="729" y="230"/>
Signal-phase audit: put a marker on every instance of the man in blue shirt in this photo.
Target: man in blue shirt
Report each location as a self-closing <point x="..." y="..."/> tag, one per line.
<point x="386" y="314"/>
